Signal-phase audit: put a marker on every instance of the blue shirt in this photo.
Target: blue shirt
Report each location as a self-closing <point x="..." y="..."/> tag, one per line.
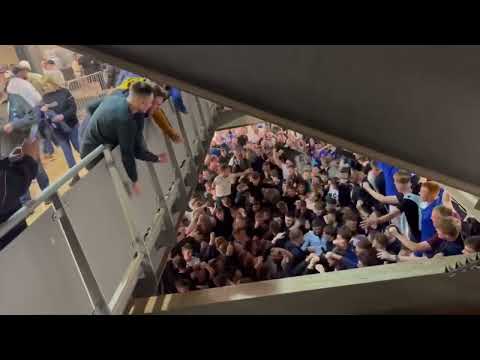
<point x="388" y="172"/>
<point x="350" y="259"/>
<point x="177" y="100"/>
<point x="312" y="240"/>
<point x="428" y="230"/>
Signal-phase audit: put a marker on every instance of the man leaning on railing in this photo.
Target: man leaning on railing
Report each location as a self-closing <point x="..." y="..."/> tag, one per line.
<point x="119" y="120"/>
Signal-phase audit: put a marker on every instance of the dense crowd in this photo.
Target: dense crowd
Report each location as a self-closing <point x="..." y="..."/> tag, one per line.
<point x="271" y="204"/>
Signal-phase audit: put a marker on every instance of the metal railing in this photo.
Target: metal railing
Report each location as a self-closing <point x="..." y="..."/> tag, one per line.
<point x="107" y="280"/>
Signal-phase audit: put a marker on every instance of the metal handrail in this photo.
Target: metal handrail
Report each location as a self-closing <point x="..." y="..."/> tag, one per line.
<point x="26" y="210"/>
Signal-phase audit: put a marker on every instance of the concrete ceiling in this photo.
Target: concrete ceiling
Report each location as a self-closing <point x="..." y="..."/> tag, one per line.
<point x="415" y="106"/>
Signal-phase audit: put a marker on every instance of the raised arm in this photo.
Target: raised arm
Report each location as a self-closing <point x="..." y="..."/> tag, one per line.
<point x="409" y="244"/>
<point x="390" y="200"/>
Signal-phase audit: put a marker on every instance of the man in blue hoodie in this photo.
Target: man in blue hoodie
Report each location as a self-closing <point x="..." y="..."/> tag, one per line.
<point x="313" y="241"/>
<point x="176" y="96"/>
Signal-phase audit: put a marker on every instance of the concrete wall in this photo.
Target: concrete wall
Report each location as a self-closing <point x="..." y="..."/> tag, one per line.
<point x="8" y="55"/>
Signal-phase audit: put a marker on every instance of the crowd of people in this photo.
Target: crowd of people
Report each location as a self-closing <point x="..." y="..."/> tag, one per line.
<point x="272" y="204"/>
<point x="269" y="204"/>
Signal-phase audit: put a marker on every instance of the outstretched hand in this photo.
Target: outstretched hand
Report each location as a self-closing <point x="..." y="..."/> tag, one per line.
<point x="162" y="158"/>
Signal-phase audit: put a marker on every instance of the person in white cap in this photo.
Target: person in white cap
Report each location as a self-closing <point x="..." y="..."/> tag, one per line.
<point x="26" y="73"/>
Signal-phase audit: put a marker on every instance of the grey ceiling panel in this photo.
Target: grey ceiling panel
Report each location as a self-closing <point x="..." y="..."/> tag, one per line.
<point x="417" y="105"/>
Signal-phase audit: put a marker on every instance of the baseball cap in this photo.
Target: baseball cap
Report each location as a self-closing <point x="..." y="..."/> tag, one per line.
<point x="24" y="64"/>
<point x="16" y="69"/>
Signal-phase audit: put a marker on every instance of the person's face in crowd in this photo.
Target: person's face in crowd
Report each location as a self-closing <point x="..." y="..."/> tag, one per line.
<point x="315" y="171"/>
<point x="327" y="237"/>
<point x="289" y="221"/>
<point x="141" y="104"/>
<point x="239" y="223"/>
<point x="219" y="214"/>
<point x="23" y="74"/>
<point x="290" y="172"/>
<point x="238" y="154"/>
<point x="157" y="103"/>
<point x="341" y="243"/>
<point x="352" y="225"/>
<point x="401" y="188"/>
<point x="302" y="189"/>
<point x="289" y="162"/>
<point x="255" y="180"/>
<point x="377" y="245"/>
<point x="329" y="219"/>
<point x="48" y="87"/>
<point x="256" y="206"/>
<point x="291" y="192"/>
<point x="315" y="181"/>
<point x="258" y="219"/>
<point x="376" y="171"/>
<point x="266" y="167"/>
<point x="426" y="195"/>
<point x="205" y="175"/>
<point x="334" y="163"/>
<point x="317" y="230"/>
<point x="187" y="254"/>
<point x="307" y="175"/>
<point x="344" y="177"/>
<point x="324" y="178"/>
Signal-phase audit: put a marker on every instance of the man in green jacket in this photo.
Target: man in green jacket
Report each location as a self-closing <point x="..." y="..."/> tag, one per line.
<point x="119" y="121"/>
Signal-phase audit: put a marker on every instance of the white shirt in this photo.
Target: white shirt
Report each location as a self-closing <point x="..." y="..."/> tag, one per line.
<point x="223" y="185"/>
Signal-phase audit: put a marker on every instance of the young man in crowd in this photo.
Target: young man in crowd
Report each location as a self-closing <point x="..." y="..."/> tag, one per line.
<point x="407" y="206"/>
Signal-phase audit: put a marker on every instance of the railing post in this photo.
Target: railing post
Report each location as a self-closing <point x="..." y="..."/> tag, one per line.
<point x="93" y="289"/>
<point x="176" y="168"/>
<point x="169" y="223"/>
<point x="198" y="140"/>
<point x="188" y="149"/>
<point x="147" y="264"/>
<point x="202" y="117"/>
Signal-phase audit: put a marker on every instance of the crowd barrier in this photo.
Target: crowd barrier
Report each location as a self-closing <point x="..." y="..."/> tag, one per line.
<point x="86" y="254"/>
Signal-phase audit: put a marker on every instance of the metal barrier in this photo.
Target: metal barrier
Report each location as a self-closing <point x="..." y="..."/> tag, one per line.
<point x="87" y="89"/>
<point x="87" y="254"/>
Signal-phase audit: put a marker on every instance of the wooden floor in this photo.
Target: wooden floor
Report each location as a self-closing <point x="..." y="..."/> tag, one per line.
<point x="55" y="169"/>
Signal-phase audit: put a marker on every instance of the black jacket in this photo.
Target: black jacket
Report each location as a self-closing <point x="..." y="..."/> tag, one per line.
<point x="66" y="105"/>
<point x="15" y="179"/>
